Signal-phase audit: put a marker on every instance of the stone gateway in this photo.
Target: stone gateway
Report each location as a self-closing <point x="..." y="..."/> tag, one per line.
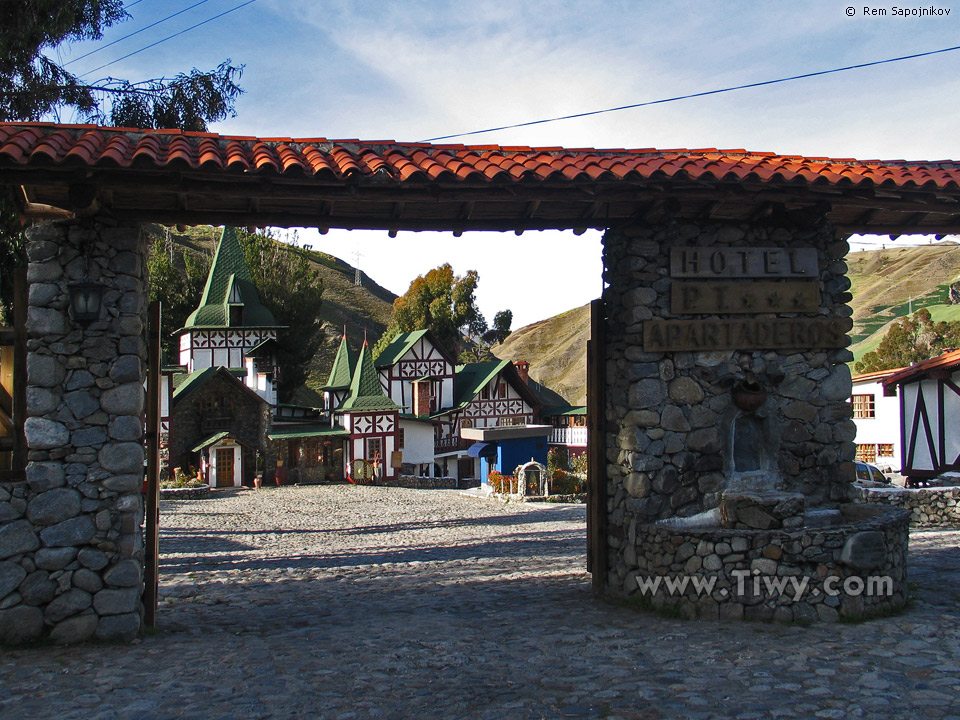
<point x="680" y="392"/>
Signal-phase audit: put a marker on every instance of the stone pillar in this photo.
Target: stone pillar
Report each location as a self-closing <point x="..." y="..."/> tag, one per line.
<point x="71" y="545"/>
<point x="680" y="336"/>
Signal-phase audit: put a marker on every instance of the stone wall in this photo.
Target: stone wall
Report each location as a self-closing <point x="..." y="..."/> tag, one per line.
<point x="928" y="507"/>
<point x="71" y="546"/>
<point x="855" y="569"/>
<point x="422" y="483"/>
<point x="669" y="414"/>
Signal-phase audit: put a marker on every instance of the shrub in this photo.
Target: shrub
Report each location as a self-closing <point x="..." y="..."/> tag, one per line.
<point x="558" y="459"/>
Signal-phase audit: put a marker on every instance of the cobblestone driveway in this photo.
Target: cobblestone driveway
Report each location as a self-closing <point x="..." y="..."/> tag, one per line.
<point x="351" y="602"/>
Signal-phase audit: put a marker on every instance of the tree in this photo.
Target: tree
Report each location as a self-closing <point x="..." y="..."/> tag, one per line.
<point x="177" y="275"/>
<point x="33" y="84"/>
<point x="445" y="304"/>
<point x="910" y="340"/>
<point x="501" y="328"/>
<point x="478" y="347"/>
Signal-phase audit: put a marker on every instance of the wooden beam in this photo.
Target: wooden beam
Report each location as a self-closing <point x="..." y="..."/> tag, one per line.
<point x="151" y="542"/>
<point x="83" y="199"/>
<point x="596" y="451"/>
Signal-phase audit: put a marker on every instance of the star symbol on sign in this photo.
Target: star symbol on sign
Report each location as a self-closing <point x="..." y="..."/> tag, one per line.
<point x="748" y="300"/>
<point x="774" y="299"/>
<point x="799" y="297"/>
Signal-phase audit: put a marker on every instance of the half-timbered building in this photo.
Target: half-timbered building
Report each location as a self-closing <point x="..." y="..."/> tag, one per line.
<point x="486" y="394"/>
<point x="929" y="394"/>
<point x="417" y="373"/>
<point x="877" y="417"/>
<point x="372" y="421"/>
<point x="231" y="328"/>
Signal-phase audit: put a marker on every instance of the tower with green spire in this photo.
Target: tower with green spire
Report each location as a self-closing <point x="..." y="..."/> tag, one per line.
<point x="231" y="328"/>
<point x="373" y="421"/>
<point x="341" y="375"/>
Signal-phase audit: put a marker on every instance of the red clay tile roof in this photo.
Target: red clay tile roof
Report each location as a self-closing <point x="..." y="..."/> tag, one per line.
<point x="29" y="143"/>
<point x="876" y="375"/>
<point x="948" y="362"/>
<point x="877" y="193"/>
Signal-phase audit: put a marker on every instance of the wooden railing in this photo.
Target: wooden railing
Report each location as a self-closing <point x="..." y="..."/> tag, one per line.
<point x="451" y="443"/>
<point x="573" y="436"/>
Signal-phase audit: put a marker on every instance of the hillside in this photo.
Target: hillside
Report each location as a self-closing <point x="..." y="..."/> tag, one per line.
<point x="556" y="349"/>
<point x="365" y="307"/>
<point x="892" y="282"/>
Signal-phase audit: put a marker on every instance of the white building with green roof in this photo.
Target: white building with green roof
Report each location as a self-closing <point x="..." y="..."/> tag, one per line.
<point x="231" y="328"/>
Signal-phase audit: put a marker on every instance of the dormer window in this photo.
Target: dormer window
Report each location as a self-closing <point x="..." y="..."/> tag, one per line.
<point x="236" y="315"/>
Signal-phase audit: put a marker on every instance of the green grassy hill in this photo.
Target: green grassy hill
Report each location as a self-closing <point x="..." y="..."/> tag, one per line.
<point x="556" y="349"/>
<point x="893" y="282"/>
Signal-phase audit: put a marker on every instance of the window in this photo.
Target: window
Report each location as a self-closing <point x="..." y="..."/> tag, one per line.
<point x="866" y="453"/>
<point x="311" y="452"/>
<point x="864" y="406"/>
<point x="400" y="439"/>
<point x="485" y="392"/>
<point x="374" y="449"/>
<point x="885" y="450"/>
<point x="512" y="420"/>
<point x="502" y="389"/>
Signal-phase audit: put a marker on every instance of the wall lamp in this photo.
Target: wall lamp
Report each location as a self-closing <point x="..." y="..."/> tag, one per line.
<point x="86" y="299"/>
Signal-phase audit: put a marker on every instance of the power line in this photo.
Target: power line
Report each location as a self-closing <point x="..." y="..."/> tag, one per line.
<point x="135" y="32"/>
<point x="694" y="95"/>
<point x="170" y="37"/>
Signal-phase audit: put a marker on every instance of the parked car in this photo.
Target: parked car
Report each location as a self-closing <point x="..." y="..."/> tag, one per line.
<point x="870" y="473"/>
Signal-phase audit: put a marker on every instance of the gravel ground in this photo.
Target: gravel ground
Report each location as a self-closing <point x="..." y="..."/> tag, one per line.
<point x="358" y="602"/>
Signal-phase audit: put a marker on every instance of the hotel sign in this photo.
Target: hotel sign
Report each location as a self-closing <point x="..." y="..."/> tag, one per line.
<point x="704" y="262"/>
<point x="694" y="297"/>
<point x="745" y="334"/>
<point x="745" y="281"/>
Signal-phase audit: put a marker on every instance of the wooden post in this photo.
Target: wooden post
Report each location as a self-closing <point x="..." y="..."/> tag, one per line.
<point x="151" y="566"/>
<point x="20" y="369"/>
<point x="596" y="452"/>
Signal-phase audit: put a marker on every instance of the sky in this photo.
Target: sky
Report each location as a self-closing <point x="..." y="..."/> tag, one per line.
<point x="420" y="69"/>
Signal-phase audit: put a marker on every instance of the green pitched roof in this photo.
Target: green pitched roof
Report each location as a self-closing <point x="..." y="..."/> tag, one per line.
<point x="185" y="385"/>
<point x="341" y="374"/>
<point x="366" y="393"/>
<point x="230" y="278"/>
<point x="398" y="347"/>
<point x="471" y="378"/>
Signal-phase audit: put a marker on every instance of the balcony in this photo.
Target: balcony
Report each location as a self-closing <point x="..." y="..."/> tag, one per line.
<point x="569" y="436"/>
<point x="450" y="443"/>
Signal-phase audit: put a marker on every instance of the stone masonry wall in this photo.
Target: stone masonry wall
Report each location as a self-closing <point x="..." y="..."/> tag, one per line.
<point x="855" y="569"/>
<point x="666" y="412"/>
<point x="928" y="507"/>
<point x="71" y="546"/>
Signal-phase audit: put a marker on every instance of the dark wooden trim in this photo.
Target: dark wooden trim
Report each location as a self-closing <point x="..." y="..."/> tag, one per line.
<point x="20" y="369"/>
<point x="596" y="451"/>
<point x="151" y="560"/>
